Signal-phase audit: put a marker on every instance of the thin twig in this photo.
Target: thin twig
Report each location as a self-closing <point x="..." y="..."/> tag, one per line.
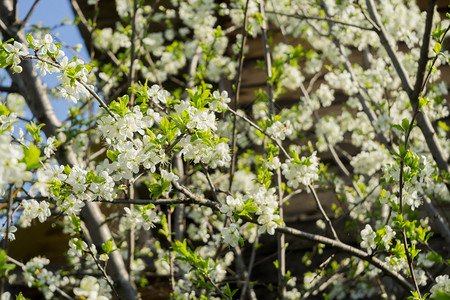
<point x="267" y="60"/>
<point x="236" y="96"/>
<point x="423" y="58"/>
<point x="430" y="70"/>
<point x="211" y="184"/>
<point x="131" y="75"/>
<point x="97" y="97"/>
<point x="243" y="117"/>
<point x="424" y="123"/>
<point x="351" y="250"/>
<point x="21" y="265"/>
<point x="281" y="250"/>
<point x="250" y="266"/>
<point x="193" y="66"/>
<point x="194" y="198"/>
<point x="8" y="89"/>
<point x="171" y="258"/>
<point x="292" y="194"/>
<point x="131" y="233"/>
<point x="6" y="237"/>
<point x="8" y="217"/>
<point x="322" y="211"/>
<point x="305" y="17"/>
<point x="86" y="86"/>
<point x="102" y="270"/>
<point x="27" y="17"/>
<point x="85" y="22"/>
<point x="401" y="186"/>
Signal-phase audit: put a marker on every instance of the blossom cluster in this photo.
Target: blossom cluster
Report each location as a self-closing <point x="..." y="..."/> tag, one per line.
<point x="15" y="52"/>
<point x="301" y="171"/>
<point x="89" y="289"/>
<point x="36" y="275"/>
<point x="33" y="209"/>
<point x="259" y="200"/>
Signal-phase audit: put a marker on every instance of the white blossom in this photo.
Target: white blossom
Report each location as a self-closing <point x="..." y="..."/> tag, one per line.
<point x="280" y="130"/>
<point x="89" y="288"/>
<point x="76" y="248"/>
<point x="11" y="230"/>
<point x="51" y="147"/>
<point x="442" y="285"/>
<point x="231" y="234"/>
<point x="232" y="205"/>
<point x="368" y="238"/>
<point x="304" y="172"/>
<point x="387" y="237"/>
<point x="15" y="52"/>
<point x="220" y="102"/>
<point x="33" y="209"/>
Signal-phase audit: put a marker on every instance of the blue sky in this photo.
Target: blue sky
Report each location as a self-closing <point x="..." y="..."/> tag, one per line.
<point x="51" y="13"/>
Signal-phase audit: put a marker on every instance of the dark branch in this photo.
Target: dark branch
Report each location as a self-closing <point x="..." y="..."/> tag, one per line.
<point x="305" y="17"/>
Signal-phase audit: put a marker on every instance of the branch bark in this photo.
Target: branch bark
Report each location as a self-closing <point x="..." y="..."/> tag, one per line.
<point x="319" y="239"/>
<point x="348" y="249"/>
<point x="413" y="92"/>
<point x="30" y="86"/>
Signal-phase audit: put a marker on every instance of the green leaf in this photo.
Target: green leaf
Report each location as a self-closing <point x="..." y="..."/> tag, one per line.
<point x="227" y="291"/>
<point x="402" y="150"/>
<point x="435" y="257"/>
<point x="165" y="125"/>
<point x="396" y="126"/>
<point x="90" y="176"/>
<point x="165" y="227"/>
<point x="440" y="295"/>
<point x="35" y="130"/>
<point x="108" y="246"/>
<point x="112" y="155"/>
<point x="275" y="263"/>
<point x="99" y="179"/>
<point x="31" y="157"/>
<point x="444" y="126"/>
<point x="120" y="107"/>
<point x="414" y="296"/>
<point x="21" y="297"/>
<point x="3" y="110"/>
<point x="405" y="124"/>
<point x="76" y="222"/>
<point x="157" y="189"/>
<point x="398" y="221"/>
<point x="67" y="170"/>
<point x="437" y="48"/>
<point x="423" y="102"/>
<point x="4" y="266"/>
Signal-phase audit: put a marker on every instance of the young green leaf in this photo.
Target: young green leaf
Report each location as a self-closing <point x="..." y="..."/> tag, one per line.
<point x="31" y="157"/>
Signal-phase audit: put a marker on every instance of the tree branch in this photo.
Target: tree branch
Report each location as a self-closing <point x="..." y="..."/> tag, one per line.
<point x="236" y="96"/>
<point x="348" y="249"/>
<point x="423" y="59"/>
<point x="31" y="87"/>
<point x="422" y="119"/>
<point x="27" y="17"/>
<point x="281" y="249"/>
<point x="305" y="17"/>
<point x="320" y="239"/>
